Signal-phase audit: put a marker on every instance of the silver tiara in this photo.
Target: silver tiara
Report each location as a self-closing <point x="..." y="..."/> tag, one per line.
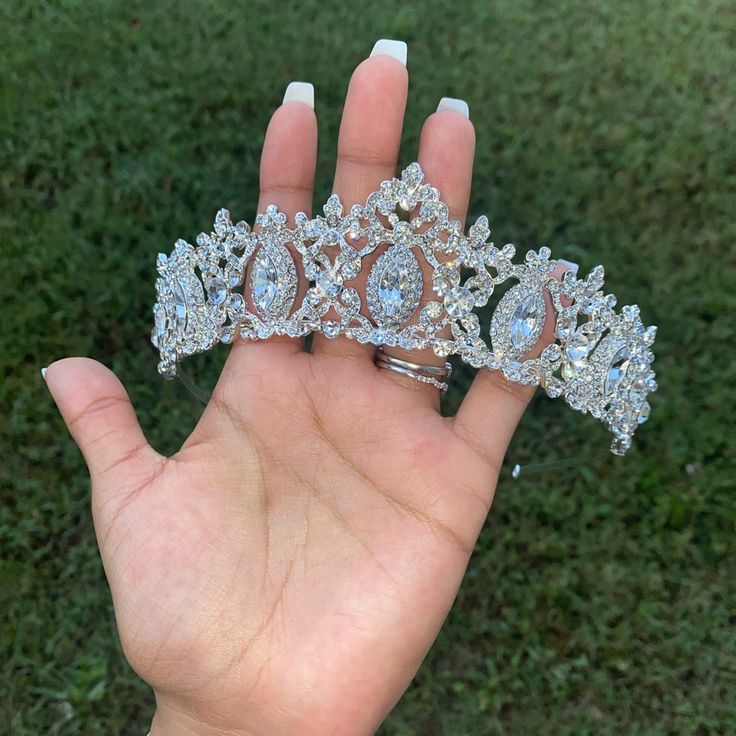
<point x="397" y="271"/>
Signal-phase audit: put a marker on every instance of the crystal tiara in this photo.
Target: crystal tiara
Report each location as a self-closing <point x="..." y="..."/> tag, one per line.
<point x="426" y="280"/>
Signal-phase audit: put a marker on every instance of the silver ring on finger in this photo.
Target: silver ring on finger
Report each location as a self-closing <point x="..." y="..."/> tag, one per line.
<point x="430" y="374"/>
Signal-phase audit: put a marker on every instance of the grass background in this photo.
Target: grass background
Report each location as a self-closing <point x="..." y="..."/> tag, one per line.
<point x="600" y="599"/>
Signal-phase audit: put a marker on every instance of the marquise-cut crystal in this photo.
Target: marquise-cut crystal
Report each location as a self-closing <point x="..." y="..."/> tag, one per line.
<point x="524" y="321"/>
<point x="394" y="283"/>
<point x="180" y="305"/>
<point x="616" y="370"/>
<point x="264" y="282"/>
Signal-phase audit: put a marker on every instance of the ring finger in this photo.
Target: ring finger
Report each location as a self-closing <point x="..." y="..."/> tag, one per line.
<point x="446" y="153"/>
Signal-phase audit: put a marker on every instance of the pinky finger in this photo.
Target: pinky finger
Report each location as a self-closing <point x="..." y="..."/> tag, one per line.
<point x="493" y="407"/>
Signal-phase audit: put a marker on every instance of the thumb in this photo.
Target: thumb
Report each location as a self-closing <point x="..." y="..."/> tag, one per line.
<point x="98" y="413"/>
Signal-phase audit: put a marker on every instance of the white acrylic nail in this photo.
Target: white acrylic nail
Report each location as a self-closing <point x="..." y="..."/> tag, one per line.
<point x="570" y="265"/>
<point x="300" y="92"/>
<point x="388" y="47"/>
<point x="43" y="373"/>
<point x="455" y="105"/>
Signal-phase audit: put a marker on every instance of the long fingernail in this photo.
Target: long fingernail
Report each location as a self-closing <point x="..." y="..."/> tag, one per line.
<point x="570" y="265"/>
<point x="43" y="373"/>
<point x="300" y="92"/>
<point x="388" y="47"/>
<point x="455" y="105"/>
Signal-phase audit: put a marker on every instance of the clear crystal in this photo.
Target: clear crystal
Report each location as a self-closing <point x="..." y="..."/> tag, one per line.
<point x="159" y="318"/>
<point x="264" y="281"/>
<point x="433" y="309"/>
<point x="643" y="414"/>
<point x="459" y="302"/>
<point x="395" y="282"/>
<point x="329" y="283"/>
<point x="524" y="321"/>
<point x="578" y="348"/>
<point x="217" y="291"/>
<point x="552" y="352"/>
<point x="638" y="391"/>
<point x="180" y="305"/>
<point x="616" y="370"/>
<point x="569" y="371"/>
<point x="330" y="328"/>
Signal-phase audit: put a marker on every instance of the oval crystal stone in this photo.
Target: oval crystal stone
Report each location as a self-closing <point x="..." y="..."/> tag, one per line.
<point x="394" y="286"/>
<point x="329" y="282"/>
<point x="524" y="321"/>
<point x="616" y="370"/>
<point x="180" y="306"/>
<point x="264" y="282"/>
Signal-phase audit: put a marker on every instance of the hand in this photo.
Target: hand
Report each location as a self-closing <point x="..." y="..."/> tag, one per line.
<point x="287" y="570"/>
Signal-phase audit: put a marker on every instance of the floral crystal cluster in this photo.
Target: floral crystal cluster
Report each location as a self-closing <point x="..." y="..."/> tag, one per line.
<point x="398" y="271"/>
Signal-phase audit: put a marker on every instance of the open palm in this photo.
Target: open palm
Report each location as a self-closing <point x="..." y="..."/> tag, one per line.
<point x="288" y="569"/>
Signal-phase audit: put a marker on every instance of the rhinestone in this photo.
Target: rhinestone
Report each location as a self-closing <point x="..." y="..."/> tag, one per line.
<point x="445" y="277"/>
<point x="577" y="348"/>
<point x="616" y="370"/>
<point x="329" y="283"/>
<point x="180" y="305"/>
<point x="217" y="291"/>
<point x="565" y="328"/>
<point x="569" y="371"/>
<point x="459" y="302"/>
<point x="159" y="316"/>
<point x="643" y="414"/>
<point x="331" y="328"/>
<point x="264" y="281"/>
<point x="638" y="391"/>
<point x="552" y="352"/>
<point x="397" y="281"/>
<point x="433" y="309"/>
<point x="524" y="321"/>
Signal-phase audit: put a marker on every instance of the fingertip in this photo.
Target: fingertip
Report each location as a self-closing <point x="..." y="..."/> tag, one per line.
<point x="302" y="92"/>
<point x="96" y="409"/>
<point x="455" y="105"/>
<point x="84" y="375"/>
<point x="379" y="76"/>
<point x="447" y="153"/>
<point x="390" y="48"/>
<point x="447" y="126"/>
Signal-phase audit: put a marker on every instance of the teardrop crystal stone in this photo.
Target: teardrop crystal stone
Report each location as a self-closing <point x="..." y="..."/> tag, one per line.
<point x="264" y="281"/>
<point x="524" y="321"/>
<point x="180" y="306"/>
<point x="616" y="370"/>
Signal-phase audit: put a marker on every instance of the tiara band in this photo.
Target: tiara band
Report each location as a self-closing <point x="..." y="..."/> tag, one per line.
<point x="425" y="280"/>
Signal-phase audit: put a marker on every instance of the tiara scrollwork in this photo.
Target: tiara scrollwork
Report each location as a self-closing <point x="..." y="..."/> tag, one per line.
<point x="398" y="271"/>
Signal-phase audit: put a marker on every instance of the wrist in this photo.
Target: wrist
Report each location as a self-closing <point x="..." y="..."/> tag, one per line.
<point x="170" y="722"/>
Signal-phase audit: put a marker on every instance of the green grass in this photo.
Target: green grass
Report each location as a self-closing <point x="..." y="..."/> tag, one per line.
<point x="600" y="599"/>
